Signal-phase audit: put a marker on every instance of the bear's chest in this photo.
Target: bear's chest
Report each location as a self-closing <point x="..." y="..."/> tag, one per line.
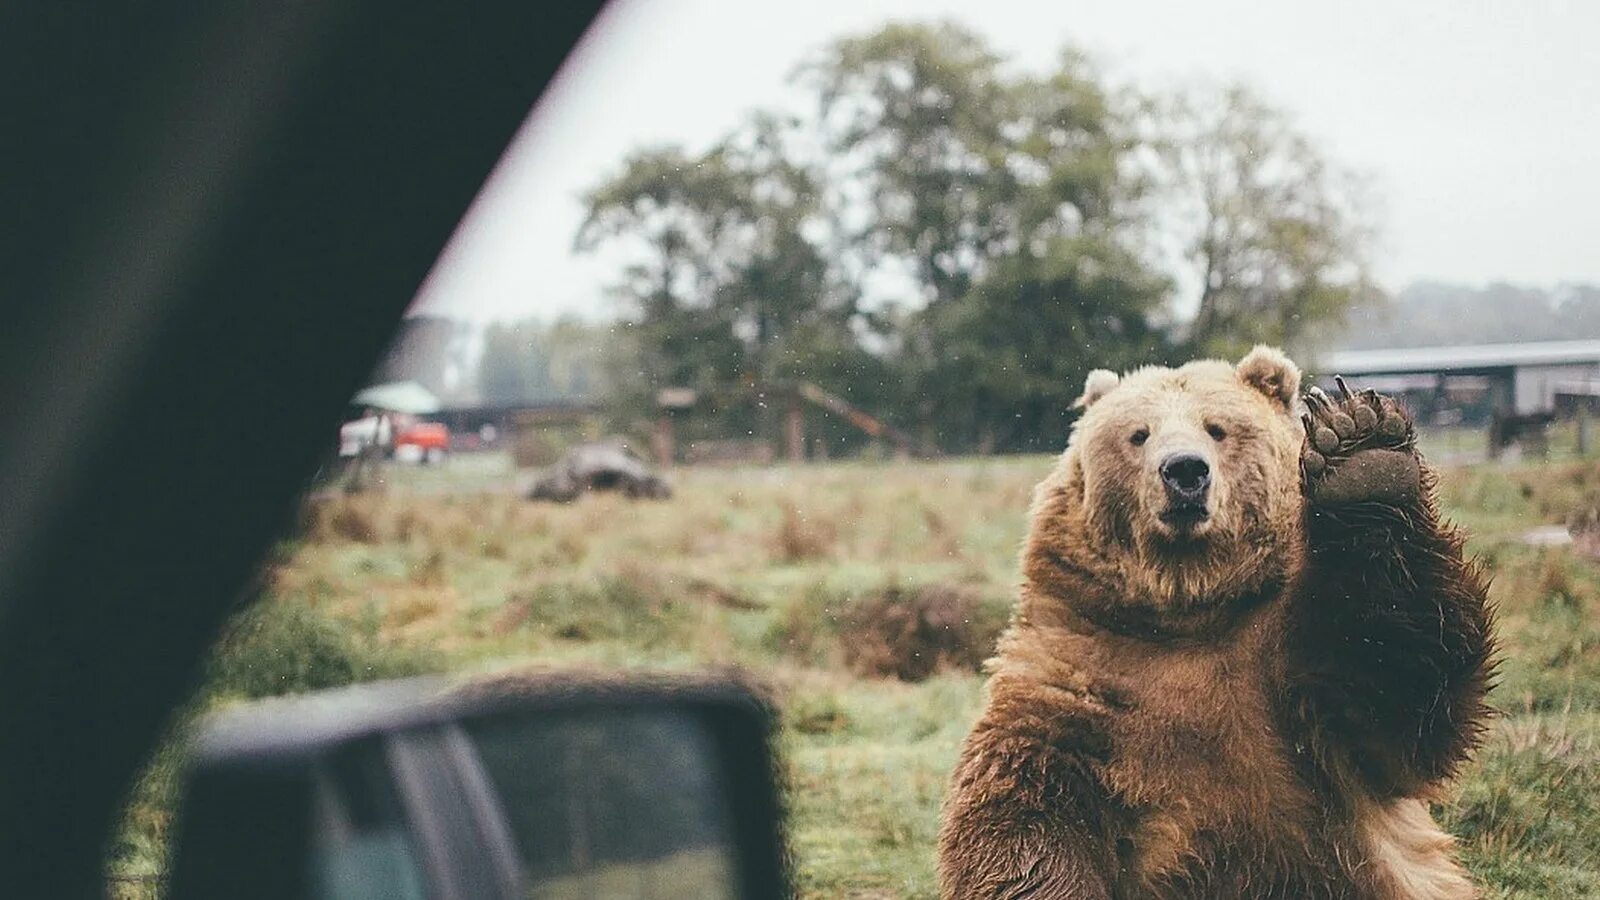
<point x="1197" y="755"/>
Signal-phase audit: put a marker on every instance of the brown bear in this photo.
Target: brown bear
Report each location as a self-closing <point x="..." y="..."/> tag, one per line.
<point x="1246" y="656"/>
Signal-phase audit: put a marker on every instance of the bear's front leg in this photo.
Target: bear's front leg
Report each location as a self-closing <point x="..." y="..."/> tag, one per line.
<point x="1389" y="636"/>
<point x="1024" y="818"/>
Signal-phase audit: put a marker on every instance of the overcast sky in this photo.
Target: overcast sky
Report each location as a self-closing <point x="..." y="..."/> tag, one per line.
<point x="1477" y="122"/>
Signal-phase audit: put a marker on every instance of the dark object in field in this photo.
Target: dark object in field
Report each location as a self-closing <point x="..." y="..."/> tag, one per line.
<point x="599" y="467"/>
<point x="912" y="634"/>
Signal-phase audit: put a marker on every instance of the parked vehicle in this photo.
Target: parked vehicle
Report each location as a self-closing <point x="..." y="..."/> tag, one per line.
<point x="395" y="437"/>
<point x="422" y="442"/>
<point x="369" y="431"/>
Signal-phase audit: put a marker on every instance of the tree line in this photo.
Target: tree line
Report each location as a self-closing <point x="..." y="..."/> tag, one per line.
<point x="1431" y="313"/>
<point x="952" y="243"/>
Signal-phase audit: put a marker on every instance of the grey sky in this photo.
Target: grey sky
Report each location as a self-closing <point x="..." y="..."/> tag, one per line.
<point x="1477" y="122"/>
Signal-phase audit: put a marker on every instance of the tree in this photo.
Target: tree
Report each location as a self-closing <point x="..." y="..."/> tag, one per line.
<point x="536" y="362"/>
<point x="730" y="268"/>
<point x="1014" y="353"/>
<point x="1023" y="207"/>
<point x="1433" y="313"/>
<point x="675" y="212"/>
<point x="914" y="115"/>
<point x="1275" y="232"/>
<point x="503" y="377"/>
<point x="1014" y="200"/>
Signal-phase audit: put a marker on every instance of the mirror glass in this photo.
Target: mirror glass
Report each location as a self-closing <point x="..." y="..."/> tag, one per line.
<point x="361" y="846"/>
<point x="611" y="803"/>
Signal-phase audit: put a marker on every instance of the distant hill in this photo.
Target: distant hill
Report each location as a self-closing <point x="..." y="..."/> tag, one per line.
<point x="1432" y="313"/>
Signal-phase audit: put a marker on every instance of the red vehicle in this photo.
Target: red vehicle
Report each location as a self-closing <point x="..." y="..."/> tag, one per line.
<point x="431" y="441"/>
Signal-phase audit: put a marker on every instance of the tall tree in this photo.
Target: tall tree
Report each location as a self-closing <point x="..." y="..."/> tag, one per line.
<point x="538" y="362"/>
<point x="1275" y="232"/>
<point x="1021" y="207"/>
<point x="727" y="267"/>
<point x="1014" y="199"/>
<point x="913" y="116"/>
<point x="503" y="374"/>
<point x="677" y="214"/>
<point x="1014" y="352"/>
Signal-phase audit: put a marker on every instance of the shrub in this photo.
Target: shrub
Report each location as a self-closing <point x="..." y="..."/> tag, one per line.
<point x="330" y="519"/>
<point x="285" y="646"/>
<point x="909" y="633"/>
<point x="912" y="633"/>
<point x="799" y="537"/>
<point x="628" y="605"/>
<point x="276" y="646"/>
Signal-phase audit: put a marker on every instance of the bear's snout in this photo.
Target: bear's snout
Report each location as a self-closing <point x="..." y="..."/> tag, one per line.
<point x="1187" y="477"/>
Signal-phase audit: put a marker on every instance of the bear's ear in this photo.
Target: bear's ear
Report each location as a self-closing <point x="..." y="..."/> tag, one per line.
<point x="1097" y="385"/>
<point x="1267" y="370"/>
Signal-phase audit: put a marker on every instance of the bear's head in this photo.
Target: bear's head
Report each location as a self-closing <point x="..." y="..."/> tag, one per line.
<point x="1184" y="482"/>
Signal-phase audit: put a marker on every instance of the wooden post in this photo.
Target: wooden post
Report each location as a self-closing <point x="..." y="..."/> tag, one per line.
<point x="795" y="431"/>
<point x="669" y="400"/>
<point x="664" y="441"/>
<point x="1503" y="402"/>
<point x="1536" y="440"/>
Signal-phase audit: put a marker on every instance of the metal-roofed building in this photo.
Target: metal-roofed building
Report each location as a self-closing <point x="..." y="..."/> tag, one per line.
<point x="1525" y="380"/>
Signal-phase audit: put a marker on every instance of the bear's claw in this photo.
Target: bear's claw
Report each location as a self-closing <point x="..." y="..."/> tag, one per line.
<point x="1358" y="449"/>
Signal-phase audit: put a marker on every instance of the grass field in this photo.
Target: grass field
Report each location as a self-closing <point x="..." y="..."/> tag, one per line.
<point x="837" y="583"/>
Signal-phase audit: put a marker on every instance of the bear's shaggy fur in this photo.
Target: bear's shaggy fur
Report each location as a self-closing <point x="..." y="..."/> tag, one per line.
<point x="1256" y="698"/>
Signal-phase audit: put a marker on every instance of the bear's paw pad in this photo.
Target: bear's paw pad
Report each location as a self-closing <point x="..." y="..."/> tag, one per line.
<point x="1358" y="449"/>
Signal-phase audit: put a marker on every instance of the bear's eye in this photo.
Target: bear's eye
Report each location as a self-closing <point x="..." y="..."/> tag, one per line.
<point x="1216" y="432"/>
<point x="1139" y="436"/>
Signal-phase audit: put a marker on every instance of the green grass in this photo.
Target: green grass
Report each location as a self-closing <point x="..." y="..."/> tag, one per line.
<point x="776" y="570"/>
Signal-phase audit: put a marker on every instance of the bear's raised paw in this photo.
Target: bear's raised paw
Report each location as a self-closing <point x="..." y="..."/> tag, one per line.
<point x="1358" y="449"/>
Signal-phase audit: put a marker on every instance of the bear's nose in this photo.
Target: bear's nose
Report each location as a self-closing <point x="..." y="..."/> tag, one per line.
<point x="1187" y="475"/>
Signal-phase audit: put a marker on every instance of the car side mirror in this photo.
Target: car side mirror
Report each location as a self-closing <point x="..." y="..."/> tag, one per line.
<point x="544" y="786"/>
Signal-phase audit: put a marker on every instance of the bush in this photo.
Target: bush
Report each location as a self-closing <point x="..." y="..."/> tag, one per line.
<point x="909" y="633"/>
<point x="353" y="519"/>
<point x="285" y="646"/>
<point x="799" y="537"/>
<point x="912" y="633"/>
<point x="276" y="646"/>
<point x="630" y="605"/>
